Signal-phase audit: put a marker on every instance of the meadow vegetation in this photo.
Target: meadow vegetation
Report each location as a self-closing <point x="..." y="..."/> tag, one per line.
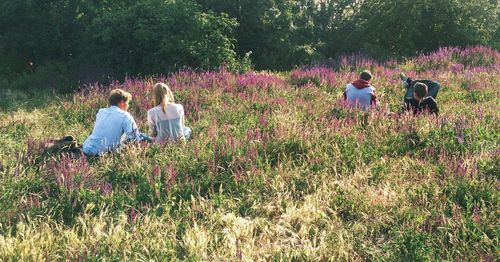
<point x="278" y="169"/>
<point x="61" y="44"/>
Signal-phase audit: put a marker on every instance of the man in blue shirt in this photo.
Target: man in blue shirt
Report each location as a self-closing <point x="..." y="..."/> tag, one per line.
<point x="113" y="126"/>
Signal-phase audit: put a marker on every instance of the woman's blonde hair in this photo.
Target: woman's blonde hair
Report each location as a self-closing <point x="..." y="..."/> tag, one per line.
<point x="162" y="95"/>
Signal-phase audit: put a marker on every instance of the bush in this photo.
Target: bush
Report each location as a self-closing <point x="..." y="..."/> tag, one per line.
<point x="158" y="37"/>
<point x="101" y="40"/>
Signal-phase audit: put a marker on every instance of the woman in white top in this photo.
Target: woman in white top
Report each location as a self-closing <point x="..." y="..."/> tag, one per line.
<point x="166" y="119"/>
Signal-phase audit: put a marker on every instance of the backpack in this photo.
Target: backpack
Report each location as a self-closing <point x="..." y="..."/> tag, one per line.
<point x="67" y="144"/>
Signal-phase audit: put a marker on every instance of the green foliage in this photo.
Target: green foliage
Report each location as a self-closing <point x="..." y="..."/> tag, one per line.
<point x="89" y="41"/>
<point x="96" y="41"/>
<point x="409" y="26"/>
<point x="40" y="32"/>
<point x="278" y="168"/>
<point x="158" y="37"/>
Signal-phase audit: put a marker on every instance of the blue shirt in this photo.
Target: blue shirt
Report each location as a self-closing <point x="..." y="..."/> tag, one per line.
<point x="112" y="127"/>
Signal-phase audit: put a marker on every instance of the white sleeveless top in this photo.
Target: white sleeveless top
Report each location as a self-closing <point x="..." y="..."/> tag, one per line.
<point x="168" y="125"/>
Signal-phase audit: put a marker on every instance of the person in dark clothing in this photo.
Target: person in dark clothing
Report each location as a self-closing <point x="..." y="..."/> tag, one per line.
<point x="421" y="102"/>
<point x="420" y="95"/>
<point x="432" y="86"/>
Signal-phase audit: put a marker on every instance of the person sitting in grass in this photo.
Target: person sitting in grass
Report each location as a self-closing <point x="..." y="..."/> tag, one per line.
<point x="113" y="126"/>
<point x="420" y="95"/>
<point x="166" y="119"/>
<point x="361" y="93"/>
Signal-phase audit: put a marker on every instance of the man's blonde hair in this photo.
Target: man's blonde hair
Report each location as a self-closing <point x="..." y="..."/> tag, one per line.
<point x="162" y="95"/>
<point x="118" y="95"/>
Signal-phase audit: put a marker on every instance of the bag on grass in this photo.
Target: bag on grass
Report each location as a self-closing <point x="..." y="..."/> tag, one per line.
<point x="67" y="144"/>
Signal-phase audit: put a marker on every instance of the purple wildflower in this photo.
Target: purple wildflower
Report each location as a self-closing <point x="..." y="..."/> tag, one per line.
<point x="106" y="188"/>
<point x="239" y="254"/>
<point x="457" y="68"/>
<point x="133" y="214"/>
<point x="173" y="174"/>
<point x="476" y="214"/>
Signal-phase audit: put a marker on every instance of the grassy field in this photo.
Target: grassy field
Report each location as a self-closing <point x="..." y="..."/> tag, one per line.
<point x="278" y="169"/>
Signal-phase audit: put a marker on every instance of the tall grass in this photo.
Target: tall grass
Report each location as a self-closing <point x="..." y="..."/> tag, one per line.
<point x="278" y="169"/>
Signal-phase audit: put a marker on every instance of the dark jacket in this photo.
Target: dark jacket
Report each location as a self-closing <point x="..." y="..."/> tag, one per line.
<point x="433" y="87"/>
<point x="427" y="105"/>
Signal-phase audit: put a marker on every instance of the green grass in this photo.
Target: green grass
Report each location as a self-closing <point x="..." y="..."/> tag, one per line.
<point x="277" y="170"/>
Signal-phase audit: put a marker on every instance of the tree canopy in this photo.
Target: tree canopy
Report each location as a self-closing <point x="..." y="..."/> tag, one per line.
<point x="85" y="40"/>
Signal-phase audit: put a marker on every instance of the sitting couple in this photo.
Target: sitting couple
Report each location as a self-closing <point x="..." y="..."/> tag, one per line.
<point x="420" y="96"/>
<point x="114" y="126"/>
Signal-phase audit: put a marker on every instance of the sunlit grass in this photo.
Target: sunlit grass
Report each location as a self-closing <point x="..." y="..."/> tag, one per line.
<point x="277" y="169"/>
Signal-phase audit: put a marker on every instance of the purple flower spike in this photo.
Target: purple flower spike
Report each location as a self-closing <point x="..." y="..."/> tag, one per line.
<point x="106" y="188"/>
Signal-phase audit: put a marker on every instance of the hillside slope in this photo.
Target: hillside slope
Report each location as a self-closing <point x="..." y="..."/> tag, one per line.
<point x="278" y="169"/>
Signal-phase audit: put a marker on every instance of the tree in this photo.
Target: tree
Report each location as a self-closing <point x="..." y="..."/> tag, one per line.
<point x="405" y="27"/>
<point x="155" y="36"/>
